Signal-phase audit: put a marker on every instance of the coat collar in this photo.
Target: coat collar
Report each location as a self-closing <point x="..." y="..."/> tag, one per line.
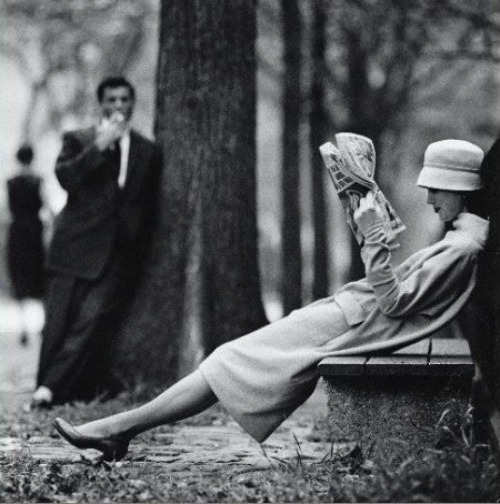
<point x="475" y="227"/>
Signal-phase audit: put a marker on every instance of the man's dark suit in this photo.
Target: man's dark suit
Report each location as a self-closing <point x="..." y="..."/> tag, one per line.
<point x="98" y="248"/>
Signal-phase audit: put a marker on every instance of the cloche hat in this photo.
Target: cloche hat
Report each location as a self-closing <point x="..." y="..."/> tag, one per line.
<point x="452" y="165"/>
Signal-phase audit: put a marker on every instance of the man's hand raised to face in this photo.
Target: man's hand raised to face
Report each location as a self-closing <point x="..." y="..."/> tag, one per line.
<point x="109" y="130"/>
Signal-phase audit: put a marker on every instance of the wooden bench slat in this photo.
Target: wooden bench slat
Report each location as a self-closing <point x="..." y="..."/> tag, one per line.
<point x="396" y="364"/>
<point x="342" y="366"/>
<point x="419" y="348"/>
<point x="447" y="357"/>
<point x="460" y="365"/>
<point x="449" y="347"/>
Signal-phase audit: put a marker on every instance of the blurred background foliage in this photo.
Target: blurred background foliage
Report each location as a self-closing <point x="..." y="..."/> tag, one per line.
<point x="403" y="72"/>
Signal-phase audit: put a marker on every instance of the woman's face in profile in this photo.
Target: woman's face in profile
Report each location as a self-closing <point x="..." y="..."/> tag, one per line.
<point x="447" y="204"/>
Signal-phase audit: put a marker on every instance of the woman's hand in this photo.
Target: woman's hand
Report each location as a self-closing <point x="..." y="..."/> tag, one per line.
<point x="368" y="215"/>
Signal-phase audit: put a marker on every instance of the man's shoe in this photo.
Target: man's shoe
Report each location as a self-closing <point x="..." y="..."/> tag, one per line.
<point x="42" y="398"/>
<point x="112" y="448"/>
<point x="39" y="405"/>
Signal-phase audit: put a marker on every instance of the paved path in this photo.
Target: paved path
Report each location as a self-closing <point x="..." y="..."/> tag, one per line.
<point x="187" y="446"/>
<point x="208" y="446"/>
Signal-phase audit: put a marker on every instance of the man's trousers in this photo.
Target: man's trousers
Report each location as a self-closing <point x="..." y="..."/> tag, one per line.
<point x="81" y="317"/>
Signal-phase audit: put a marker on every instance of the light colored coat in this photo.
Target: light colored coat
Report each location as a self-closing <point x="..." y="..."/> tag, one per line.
<point x="392" y="308"/>
<point x="262" y="377"/>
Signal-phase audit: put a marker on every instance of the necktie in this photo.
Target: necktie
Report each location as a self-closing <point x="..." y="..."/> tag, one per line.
<point x="113" y="154"/>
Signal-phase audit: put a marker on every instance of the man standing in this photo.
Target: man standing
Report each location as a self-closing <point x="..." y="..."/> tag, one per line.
<point x="111" y="175"/>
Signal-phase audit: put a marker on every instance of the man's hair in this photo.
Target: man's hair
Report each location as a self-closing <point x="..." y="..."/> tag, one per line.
<point x="25" y="154"/>
<point x="114" y="82"/>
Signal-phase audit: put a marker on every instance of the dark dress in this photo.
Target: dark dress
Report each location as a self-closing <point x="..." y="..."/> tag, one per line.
<point x="25" y="251"/>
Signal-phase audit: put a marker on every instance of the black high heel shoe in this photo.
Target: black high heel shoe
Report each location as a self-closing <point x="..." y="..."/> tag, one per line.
<point x="112" y="447"/>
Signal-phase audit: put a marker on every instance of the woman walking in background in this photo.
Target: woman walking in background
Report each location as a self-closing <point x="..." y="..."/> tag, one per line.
<point x="25" y="250"/>
<point x="261" y="378"/>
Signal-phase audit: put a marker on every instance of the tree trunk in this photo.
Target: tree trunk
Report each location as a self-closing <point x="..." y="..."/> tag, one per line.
<point x="357" y="267"/>
<point x="357" y="105"/>
<point x="291" y="283"/>
<point x="317" y="135"/>
<point x="202" y="286"/>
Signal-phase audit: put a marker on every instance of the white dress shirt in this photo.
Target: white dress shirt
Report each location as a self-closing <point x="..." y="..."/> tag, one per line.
<point x="125" y="150"/>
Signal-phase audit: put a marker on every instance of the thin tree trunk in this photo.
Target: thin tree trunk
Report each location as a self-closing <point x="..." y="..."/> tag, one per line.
<point x="291" y="284"/>
<point x="318" y="134"/>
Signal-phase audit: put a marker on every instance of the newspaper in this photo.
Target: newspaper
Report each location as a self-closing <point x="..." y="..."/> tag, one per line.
<point x="351" y="165"/>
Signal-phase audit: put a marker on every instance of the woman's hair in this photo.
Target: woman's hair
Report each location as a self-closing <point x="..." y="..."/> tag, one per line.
<point x="476" y="203"/>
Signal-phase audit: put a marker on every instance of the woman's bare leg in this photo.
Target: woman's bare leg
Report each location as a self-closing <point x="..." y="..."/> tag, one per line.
<point x="186" y="398"/>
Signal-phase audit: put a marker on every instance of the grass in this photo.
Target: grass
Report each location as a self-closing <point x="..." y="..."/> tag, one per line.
<point x="454" y="472"/>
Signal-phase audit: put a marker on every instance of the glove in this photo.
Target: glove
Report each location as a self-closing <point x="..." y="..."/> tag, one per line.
<point x="368" y="217"/>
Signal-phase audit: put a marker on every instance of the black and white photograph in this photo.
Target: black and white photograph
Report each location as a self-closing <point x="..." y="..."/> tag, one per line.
<point x="250" y="251"/>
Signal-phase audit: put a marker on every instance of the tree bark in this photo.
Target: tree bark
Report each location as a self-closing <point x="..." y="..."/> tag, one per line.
<point x="202" y="286"/>
<point x="291" y="283"/>
<point x="318" y="132"/>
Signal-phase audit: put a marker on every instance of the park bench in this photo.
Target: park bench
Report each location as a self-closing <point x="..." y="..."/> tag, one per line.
<point x="400" y="403"/>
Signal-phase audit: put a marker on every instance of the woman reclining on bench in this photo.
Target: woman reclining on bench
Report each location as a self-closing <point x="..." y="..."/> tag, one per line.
<point x="261" y="378"/>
